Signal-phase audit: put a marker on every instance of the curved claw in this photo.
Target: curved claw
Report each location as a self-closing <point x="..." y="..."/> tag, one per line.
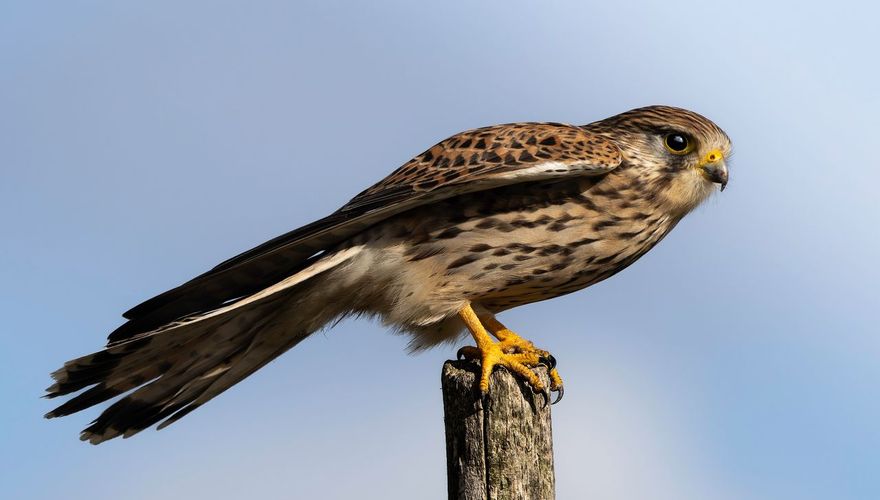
<point x="549" y="361"/>
<point x="459" y="355"/>
<point x="559" y="393"/>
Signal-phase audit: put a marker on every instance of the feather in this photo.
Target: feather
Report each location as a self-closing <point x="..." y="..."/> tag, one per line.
<point x="172" y="370"/>
<point x="471" y="161"/>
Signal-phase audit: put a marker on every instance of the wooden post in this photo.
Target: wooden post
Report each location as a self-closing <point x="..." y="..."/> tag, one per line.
<point x="500" y="447"/>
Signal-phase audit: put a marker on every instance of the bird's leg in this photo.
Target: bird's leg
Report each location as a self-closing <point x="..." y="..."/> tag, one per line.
<point x="490" y="353"/>
<point x="511" y="351"/>
<point x="510" y="342"/>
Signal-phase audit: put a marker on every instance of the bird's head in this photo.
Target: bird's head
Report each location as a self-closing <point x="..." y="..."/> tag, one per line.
<point x="676" y="153"/>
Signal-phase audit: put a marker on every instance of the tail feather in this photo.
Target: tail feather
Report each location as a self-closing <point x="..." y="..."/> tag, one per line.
<point x="250" y="363"/>
<point x="164" y="396"/>
<point x="169" y="372"/>
<point x="144" y="407"/>
<point x="129" y="364"/>
<point x="145" y="352"/>
<point x="91" y="369"/>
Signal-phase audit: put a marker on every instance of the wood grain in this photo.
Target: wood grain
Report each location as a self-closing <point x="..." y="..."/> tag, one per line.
<point x="499" y="447"/>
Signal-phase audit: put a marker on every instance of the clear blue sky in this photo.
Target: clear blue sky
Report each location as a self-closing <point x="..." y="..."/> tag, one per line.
<point x="143" y="142"/>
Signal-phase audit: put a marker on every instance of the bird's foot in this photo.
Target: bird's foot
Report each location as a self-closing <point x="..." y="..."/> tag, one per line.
<point x="518" y="356"/>
<point x="515" y="344"/>
<point x="511" y="351"/>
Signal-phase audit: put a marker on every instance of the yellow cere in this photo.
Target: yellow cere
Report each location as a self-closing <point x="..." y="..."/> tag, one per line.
<point x="712" y="157"/>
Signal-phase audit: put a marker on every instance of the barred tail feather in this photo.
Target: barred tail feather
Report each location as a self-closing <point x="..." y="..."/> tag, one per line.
<point x="173" y="370"/>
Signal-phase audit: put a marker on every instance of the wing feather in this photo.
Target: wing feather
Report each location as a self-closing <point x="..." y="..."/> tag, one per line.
<point x="475" y="160"/>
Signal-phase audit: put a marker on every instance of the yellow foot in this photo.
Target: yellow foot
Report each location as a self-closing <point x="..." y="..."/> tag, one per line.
<point x="512" y="351"/>
<point x="495" y="356"/>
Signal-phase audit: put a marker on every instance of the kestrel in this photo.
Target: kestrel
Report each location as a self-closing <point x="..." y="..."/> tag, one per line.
<point x="484" y="221"/>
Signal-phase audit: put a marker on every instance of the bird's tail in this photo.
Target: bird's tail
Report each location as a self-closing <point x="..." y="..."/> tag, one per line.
<point x="171" y="371"/>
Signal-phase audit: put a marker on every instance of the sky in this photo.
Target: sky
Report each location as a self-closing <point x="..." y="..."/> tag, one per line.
<point x="143" y="142"/>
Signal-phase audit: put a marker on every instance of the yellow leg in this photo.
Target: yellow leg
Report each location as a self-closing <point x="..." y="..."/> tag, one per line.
<point x="491" y="353"/>
<point x="511" y="351"/>
<point x="513" y="343"/>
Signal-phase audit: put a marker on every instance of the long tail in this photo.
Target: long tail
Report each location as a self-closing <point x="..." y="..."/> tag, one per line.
<point x="171" y="371"/>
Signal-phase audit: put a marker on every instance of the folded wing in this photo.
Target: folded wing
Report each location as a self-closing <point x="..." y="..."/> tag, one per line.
<point x="475" y="160"/>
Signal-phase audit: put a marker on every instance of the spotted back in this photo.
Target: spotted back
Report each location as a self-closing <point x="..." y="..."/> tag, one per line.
<point x="500" y="148"/>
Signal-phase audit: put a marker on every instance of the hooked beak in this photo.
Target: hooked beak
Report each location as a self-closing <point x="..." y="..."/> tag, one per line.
<point x="714" y="168"/>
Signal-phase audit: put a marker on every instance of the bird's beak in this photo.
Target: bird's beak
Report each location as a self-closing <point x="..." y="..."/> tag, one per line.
<point x="714" y="168"/>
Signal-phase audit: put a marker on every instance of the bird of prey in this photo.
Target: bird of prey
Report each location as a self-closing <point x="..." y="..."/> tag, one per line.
<point x="484" y="221"/>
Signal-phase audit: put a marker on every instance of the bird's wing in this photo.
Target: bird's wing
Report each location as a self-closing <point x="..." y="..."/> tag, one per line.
<point x="475" y="160"/>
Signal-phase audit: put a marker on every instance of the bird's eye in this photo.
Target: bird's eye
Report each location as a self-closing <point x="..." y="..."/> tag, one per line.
<point x="678" y="144"/>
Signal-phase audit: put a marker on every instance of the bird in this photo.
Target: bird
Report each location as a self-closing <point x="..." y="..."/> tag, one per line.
<point x="484" y="221"/>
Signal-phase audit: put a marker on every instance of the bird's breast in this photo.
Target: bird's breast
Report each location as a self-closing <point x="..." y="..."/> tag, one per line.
<point x="515" y="246"/>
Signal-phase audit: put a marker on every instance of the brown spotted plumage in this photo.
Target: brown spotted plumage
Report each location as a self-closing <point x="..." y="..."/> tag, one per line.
<point x="484" y="221"/>
<point x="477" y="155"/>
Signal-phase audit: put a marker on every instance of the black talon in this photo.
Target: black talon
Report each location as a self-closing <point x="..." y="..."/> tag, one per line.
<point x="459" y="355"/>
<point x="559" y="393"/>
<point x="548" y="360"/>
<point x="545" y="394"/>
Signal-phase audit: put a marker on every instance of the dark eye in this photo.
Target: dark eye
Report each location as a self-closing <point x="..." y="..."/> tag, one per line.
<point x="678" y="144"/>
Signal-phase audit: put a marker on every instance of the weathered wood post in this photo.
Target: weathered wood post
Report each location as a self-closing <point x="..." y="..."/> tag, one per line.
<point x="500" y="447"/>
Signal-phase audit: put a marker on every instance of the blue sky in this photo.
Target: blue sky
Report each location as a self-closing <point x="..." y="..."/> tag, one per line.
<point x="142" y="143"/>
